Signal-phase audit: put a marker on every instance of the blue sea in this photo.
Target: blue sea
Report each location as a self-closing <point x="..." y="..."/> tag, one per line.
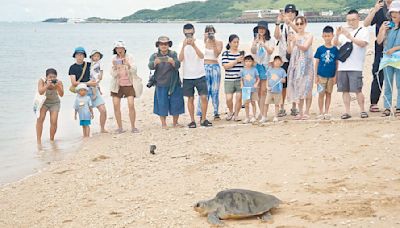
<point x="28" y="49"/>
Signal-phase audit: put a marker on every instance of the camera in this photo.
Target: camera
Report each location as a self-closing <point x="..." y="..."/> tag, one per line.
<point x="151" y="82"/>
<point x="189" y="35"/>
<point x="54" y="81"/>
<point x="211" y="36"/>
<point x="163" y="59"/>
<point x="391" y="24"/>
<point x="242" y="53"/>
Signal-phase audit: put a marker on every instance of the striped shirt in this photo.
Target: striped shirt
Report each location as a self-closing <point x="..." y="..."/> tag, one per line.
<point x="232" y="74"/>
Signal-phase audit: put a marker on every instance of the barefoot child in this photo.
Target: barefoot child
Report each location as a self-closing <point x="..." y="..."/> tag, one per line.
<point x="249" y="82"/>
<point x="96" y="71"/>
<point x="276" y="76"/>
<point x="326" y="70"/>
<point x="83" y="106"/>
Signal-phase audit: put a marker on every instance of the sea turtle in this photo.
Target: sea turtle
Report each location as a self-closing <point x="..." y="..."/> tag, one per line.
<point x="236" y="204"/>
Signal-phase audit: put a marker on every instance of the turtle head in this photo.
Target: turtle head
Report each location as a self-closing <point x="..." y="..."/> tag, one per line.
<point x="204" y="207"/>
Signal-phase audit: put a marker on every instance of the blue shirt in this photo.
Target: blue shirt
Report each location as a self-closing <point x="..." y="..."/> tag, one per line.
<point x="82" y="105"/>
<point x="392" y="39"/>
<point x="274" y="77"/>
<point x="327" y="61"/>
<point x="249" y="77"/>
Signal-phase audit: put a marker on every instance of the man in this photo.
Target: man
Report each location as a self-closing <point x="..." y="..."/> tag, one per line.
<point x="377" y="16"/>
<point x="350" y="71"/>
<point x="192" y="60"/>
<point x="284" y="27"/>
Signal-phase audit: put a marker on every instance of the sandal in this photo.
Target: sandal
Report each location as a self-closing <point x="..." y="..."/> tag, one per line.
<point x="345" y="116"/>
<point x="386" y="113"/>
<point x="229" y="116"/>
<point x="297" y="117"/>
<point x="294" y="111"/>
<point x="364" y="115"/>
<point x="192" y="125"/>
<point x="282" y="113"/>
<point x="374" y="108"/>
<point x="135" y="130"/>
<point x="305" y="117"/>
<point x="397" y="113"/>
<point x="206" y="123"/>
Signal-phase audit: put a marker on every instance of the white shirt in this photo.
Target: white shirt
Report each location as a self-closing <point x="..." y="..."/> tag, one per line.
<point x="356" y="60"/>
<point x="192" y="65"/>
<point x="283" y="41"/>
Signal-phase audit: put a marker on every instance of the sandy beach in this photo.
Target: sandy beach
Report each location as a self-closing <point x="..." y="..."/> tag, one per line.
<point x="327" y="173"/>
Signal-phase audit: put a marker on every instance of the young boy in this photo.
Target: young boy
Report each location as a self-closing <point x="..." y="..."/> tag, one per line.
<point x="83" y="106"/>
<point x="96" y="71"/>
<point x="326" y="69"/>
<point x="276" y="76"/>
<point x="249" y="82"/>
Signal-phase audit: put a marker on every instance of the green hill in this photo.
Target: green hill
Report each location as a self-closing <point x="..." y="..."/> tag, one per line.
<point x="227" y="9"/>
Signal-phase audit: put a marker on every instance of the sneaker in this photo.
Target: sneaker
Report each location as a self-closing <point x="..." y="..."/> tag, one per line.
<point x="276" y="119"/>
<point x="327" y="116"/>
<point x="321" y="117"/>
<point x="253" y="120"/>
<point x="263" y="119"/>
<point x="206" y="123"/>
<point x="246" y="121"/>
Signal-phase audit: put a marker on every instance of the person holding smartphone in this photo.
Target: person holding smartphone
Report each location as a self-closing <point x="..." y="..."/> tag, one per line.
<point x="194" y="75"/>
<point x="377" y="16"/>
<point x="53" y="89"/>
<point x="123" y="72"/>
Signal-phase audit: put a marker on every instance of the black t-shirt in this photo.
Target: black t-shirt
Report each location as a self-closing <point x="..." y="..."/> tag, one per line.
<point x="378" y="20"/>
<point x="76" y="70"/>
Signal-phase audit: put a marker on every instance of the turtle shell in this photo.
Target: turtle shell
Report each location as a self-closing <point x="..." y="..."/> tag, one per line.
<point x="240" y="203"/>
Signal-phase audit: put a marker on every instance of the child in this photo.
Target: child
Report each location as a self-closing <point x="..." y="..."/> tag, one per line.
<point x="326" y="69"/>
<point x="96" y="71"/>
<point x="249" y="80"/>
<point x="83" y="106"/>
<point x="276" y="76"/>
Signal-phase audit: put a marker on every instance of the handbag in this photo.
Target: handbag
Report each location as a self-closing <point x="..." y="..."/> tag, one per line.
<point x="72" y="88"/>
<point x="346" y="50"/>
<point x="38" y="102"/>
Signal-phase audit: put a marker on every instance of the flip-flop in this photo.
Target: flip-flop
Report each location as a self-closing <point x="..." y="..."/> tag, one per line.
<point x="364" y="115"/>
<point x="297" y="117"/>
<point x="305" y="117"/>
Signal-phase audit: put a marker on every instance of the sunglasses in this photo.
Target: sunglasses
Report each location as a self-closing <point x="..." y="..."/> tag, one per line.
<point x="298" y="24"/>
<point x="163" y="44"/>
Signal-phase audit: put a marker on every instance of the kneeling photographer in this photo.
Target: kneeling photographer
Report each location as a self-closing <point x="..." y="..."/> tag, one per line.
<point x="168" y="94"/>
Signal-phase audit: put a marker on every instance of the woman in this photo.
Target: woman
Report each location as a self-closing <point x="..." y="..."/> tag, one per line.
<point x="168" y="95"/>
<point x="301" y="68"/>
<point x="262" y="49"/>
<point x="123" y="72"/>
<point x="53" y="89"/>
<point x="79" y="72"/>
<point x="390" y="37"/>
<point x="213" y="49"/>
<point x="232" y="61"/>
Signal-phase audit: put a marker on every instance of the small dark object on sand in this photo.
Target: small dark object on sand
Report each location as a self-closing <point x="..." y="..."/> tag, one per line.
<point x="152" y="149"/>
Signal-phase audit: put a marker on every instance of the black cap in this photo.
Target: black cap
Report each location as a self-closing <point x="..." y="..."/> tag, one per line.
<point x="291" y="8"/>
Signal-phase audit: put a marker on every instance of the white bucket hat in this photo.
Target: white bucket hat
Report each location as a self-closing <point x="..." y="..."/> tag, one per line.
<point x="394" y="7"/>
<point x="119" y="43"/>
<point x="81" y="86"/>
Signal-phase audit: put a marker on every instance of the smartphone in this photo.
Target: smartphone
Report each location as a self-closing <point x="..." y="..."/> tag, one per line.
<point x="242" y="53"/>
<point x="118" y="62"/>
<point x="163" y="58"/>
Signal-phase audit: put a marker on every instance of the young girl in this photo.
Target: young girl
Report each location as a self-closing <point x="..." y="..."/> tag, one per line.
<point x="83" y="106"/>
<point x="301" y="68"/>
<point x="262" y="48"/>
<point x="96" y="71"/>
<point x="232" y="61"/>
<point x="249" y="83"/>
<point x="389" y="35"/>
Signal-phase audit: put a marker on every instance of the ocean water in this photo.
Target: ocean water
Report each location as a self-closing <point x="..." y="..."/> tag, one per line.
<point x="28" y="49"/>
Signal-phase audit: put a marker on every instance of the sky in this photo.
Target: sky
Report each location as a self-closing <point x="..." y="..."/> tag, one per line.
<point x="37" y="10"/>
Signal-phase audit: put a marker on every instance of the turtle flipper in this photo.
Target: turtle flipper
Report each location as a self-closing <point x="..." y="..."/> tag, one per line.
<point x="213" y="219"/>
<point x="266" y="217"/>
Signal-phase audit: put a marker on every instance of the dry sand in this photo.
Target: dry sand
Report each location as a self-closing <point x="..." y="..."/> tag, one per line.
<point x="327" y="173"/>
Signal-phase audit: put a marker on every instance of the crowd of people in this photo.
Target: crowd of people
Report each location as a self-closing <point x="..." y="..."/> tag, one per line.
<point x="280" y="68"/>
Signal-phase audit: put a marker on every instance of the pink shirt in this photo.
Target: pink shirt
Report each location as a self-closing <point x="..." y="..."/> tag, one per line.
<point x="123" y="79"/>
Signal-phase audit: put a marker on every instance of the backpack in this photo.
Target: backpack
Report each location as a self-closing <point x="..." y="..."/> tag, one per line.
<point x="346" y="50"/>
